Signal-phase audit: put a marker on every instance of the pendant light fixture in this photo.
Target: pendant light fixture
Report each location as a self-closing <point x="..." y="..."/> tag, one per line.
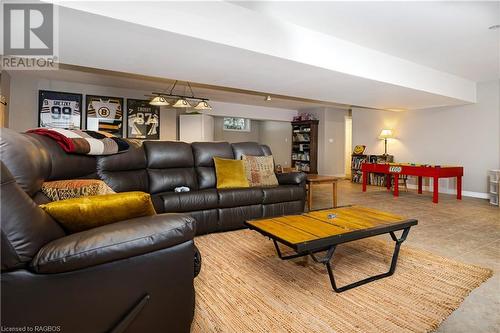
<point x="203" y="105"/>
<point x="181" y="101"/>
<point x="159" y="101"/>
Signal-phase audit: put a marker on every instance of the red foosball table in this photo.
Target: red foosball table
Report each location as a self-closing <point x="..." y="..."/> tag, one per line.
<point x="394" y="170"/>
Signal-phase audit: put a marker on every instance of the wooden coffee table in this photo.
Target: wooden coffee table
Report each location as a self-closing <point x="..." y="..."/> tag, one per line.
<point x="322" y="230"/>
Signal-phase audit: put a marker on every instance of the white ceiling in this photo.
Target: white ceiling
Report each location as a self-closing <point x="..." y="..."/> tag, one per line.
<point x="450" y="36"/>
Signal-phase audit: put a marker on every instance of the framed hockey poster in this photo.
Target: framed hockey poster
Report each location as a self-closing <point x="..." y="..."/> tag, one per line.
<point x="143" y="120"/>
<point x="59" y="109"/>
<point x="105" y="113"/>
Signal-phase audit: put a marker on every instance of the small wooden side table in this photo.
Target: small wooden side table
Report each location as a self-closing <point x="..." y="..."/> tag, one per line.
<point x="318" y="179"/>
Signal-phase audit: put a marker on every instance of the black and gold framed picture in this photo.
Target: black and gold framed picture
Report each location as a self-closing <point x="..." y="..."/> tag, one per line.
<point x="143" y="120"/>
<point x="105" y="113"/>
<point x="59" y="109"/>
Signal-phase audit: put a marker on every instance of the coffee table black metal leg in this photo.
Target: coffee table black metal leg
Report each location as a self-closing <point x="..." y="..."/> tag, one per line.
<point x="371" y="278"/>
<point x="282" y="257"/>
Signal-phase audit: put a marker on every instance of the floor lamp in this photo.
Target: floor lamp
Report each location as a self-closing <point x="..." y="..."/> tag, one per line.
<point x="386" y="134"/>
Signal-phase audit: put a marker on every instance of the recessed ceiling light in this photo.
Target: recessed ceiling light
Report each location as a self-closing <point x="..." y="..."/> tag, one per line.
<point x="494" y="27"/>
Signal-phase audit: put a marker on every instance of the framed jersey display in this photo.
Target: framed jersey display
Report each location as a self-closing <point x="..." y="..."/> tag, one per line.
<point x="143" y="120"/>
<point x="59" y="109"/>
<point x="105" y="113"/>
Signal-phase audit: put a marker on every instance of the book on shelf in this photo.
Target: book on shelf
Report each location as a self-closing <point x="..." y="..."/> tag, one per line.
<point x="373" y="178"/>
<point x="304" y="152"/>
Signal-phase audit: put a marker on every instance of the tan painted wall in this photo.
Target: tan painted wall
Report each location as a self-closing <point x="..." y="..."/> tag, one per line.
<point x="235" y="136"/>
<point x="24" y="101"/>
<point x="5" y="92"/>
<point x="467" y="135"/>
<point x="278" y="136"/>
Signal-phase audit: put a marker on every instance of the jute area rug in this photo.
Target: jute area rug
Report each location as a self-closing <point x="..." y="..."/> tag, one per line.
<point x="244" y="287"/>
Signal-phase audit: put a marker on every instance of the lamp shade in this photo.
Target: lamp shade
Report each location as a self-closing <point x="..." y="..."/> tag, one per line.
<point x="159" y="100"/>
<point x="203" y="105"/>
<point x="182" y="103"/>
<point x="386" y="134"/>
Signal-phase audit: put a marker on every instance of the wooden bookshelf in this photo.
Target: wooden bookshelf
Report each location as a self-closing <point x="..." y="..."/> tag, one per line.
<point x="374" y="178"/>
<point x="305" y="146"/>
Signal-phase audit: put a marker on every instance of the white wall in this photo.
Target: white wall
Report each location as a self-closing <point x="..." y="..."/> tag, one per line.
<point x="24" y="101"/>
<point x="463" y="135"/>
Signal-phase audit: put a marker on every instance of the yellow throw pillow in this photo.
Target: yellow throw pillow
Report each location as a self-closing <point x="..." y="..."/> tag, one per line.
<point x="89" y="212"/>
<point x="230" y="173"/>
<point x="74" y="188"/>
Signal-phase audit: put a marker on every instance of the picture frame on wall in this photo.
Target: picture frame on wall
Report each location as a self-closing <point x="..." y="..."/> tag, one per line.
<point x="58" y="109"/>
<point x="105" y="113"/>
<point x="143" y="120"/>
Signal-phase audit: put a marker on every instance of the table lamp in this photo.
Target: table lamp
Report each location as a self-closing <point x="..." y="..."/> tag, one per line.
<point x="386" y="134"/>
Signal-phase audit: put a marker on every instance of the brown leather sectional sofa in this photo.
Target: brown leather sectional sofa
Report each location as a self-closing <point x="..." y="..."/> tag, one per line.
<point x="131" y="276"/>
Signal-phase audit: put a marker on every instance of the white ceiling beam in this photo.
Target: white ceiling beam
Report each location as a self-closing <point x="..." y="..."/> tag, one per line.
<point x="222" y="44"/>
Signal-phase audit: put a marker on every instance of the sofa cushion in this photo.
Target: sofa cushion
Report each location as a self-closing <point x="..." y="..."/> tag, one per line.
<point x="62" y="164"/>
<point x="248" y="148"/>
<point x="22" y="155"/>
<point x="168" y="154"/>
<point x="204" y="153"/>
<point x="283" y="193"/>
<point x="189" y="201"/>
<point x="125" y="172"/>
<point x="235" y="217"/>
<point x="283" y="208"/>
<point x="239" y="197"/>
<point x="25" y="226"/>
<point x="170" y="165"/>
<point x="166" y="180"/>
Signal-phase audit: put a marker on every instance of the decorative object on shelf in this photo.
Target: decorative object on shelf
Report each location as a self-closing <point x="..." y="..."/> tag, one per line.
<point x="59" y="109"/>
<point x="304" y="117"/>
<point x="180" y="100"/>
<point x="386" y="134"/>
<point x="494" y="187"/>
<point x="268" y="98"/>
<point x="3" y="100"/>
<point x="359" y="150"/>
<point x="305" y="146"/>
<point x="143" y="121"/>
<point x="105" y="114"/>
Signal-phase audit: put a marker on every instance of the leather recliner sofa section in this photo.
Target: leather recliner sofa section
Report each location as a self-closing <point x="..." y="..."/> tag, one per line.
<point x="158" y="167"/>
<point x="94" y="281"/>
<point x="90" y="281"/>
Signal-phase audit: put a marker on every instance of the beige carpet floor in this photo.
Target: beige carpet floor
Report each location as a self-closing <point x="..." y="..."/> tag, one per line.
<point x="244" y="287"/>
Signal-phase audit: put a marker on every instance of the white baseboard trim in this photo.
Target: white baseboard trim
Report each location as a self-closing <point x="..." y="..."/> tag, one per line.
<point x="471" y="194"/>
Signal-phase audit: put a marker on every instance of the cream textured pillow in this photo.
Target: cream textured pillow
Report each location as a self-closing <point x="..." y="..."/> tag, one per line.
<point x="260" y="170"/>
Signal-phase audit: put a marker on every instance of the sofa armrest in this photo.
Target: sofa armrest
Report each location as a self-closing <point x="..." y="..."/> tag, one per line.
<point x="291" y="178"/>
<point x="113" y="242"/>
